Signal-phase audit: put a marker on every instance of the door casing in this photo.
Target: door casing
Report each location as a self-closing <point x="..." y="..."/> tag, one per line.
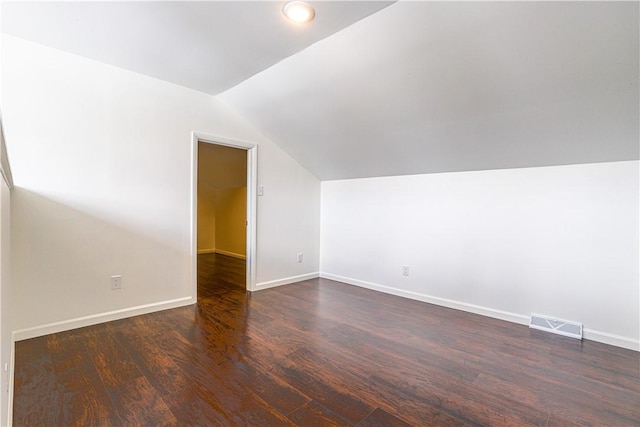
<point x="252" y="185"/>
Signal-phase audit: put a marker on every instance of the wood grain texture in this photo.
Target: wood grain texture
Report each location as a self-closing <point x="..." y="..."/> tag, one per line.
<point x="318" y="353"/>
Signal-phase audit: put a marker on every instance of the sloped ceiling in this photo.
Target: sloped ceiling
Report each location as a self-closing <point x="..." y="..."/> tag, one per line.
<point x="423" y="87"/>
<point x="208" y="46"/>
<point x="372" y="89"/>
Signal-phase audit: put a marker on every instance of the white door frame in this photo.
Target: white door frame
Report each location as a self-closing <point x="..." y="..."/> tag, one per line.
<point x="252" y="185"/>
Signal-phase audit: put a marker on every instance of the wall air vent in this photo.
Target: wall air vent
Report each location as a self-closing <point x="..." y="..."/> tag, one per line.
<point x="556" y="326"/>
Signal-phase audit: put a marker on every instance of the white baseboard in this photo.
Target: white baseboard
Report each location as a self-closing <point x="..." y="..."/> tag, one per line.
<point x="485" y="311"/>
<point x="232" y="254"/>
<point x="94" y="319"/>
<point x="206" y="251"/>
<point x="286" y="281"/>
<point x="221" y="252"/>
<point x="611" y="339"/>
<point x="590" y="334"/>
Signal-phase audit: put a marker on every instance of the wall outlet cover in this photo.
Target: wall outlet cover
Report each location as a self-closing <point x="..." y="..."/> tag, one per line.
<point x="116" y="282"/>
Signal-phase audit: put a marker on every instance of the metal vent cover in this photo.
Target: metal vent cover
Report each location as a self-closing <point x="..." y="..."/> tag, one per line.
<point x="566" y="328"/>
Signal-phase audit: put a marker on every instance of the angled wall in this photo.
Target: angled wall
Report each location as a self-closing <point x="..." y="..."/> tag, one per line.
<point x="102" y="167"/>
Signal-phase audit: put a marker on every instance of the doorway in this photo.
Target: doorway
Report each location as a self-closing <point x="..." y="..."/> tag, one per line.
<point x="223" y="211"/>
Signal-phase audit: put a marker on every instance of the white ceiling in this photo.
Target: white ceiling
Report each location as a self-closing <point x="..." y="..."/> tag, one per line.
<point x="209" y="46"/>
<point x="424" y="87"/>
<point x="415" y="87"/>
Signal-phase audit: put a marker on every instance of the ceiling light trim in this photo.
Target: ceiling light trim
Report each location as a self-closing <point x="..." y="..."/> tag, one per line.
<point x="298" y="12"/>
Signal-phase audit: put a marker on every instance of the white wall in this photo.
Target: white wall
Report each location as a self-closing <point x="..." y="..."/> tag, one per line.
<point x="6" y="304"/>
<point x="231" y="229"/>
<point x="559" y="241"/>
<point x="206" y="221"/>
<point x="6" y="326"/>
<point x="101" y="160"/>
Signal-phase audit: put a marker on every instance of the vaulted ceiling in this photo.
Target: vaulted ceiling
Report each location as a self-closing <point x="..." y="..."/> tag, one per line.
<point x="373" y="88"/>
<point x="209" y="46"/>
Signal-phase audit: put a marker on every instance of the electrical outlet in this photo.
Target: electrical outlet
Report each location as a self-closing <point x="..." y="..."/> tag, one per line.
<point x="405" y="270"/>
<point x="116" y="282"/>
<point x="299" y="258"/>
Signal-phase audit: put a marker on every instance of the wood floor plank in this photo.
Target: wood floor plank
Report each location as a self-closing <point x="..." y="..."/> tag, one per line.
<point x="330" y="391"/>
<point x="194" y="408"/>
<point x="318" y="352"/>
<point x="154" y="364"/>
<point x="271" y="388"/>
<point x="380" y="418"/>
<point x="315" y="414"/>
<point x="37" y="399"/>
<point x="139" y="404"/>
<point x="359" y="382"/>
<point x="223" y="388"/>
<point x="83" y="397"/>
<point x="110" y="358"/>
<point x="545" y="394"/>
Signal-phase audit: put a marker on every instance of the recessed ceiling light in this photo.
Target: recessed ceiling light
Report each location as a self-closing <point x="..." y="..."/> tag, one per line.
<point x="298" y="11"/>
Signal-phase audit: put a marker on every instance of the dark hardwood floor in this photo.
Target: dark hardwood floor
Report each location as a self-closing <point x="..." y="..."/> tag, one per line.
<point x="318" y="353"/>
